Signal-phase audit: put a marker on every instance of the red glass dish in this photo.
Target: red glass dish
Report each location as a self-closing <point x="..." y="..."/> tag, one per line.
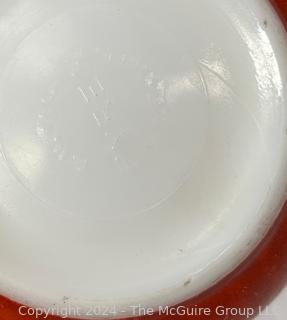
<point x="254" y="284"/>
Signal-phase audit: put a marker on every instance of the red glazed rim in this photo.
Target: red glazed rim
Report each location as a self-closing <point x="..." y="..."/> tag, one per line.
<point x="254" y="284"/>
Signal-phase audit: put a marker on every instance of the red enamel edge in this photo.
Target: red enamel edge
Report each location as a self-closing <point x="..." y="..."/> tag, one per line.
<point x="255" y="283"/>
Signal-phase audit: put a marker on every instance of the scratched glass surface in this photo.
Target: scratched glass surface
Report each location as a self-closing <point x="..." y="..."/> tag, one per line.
<point x="136" y="132"/>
